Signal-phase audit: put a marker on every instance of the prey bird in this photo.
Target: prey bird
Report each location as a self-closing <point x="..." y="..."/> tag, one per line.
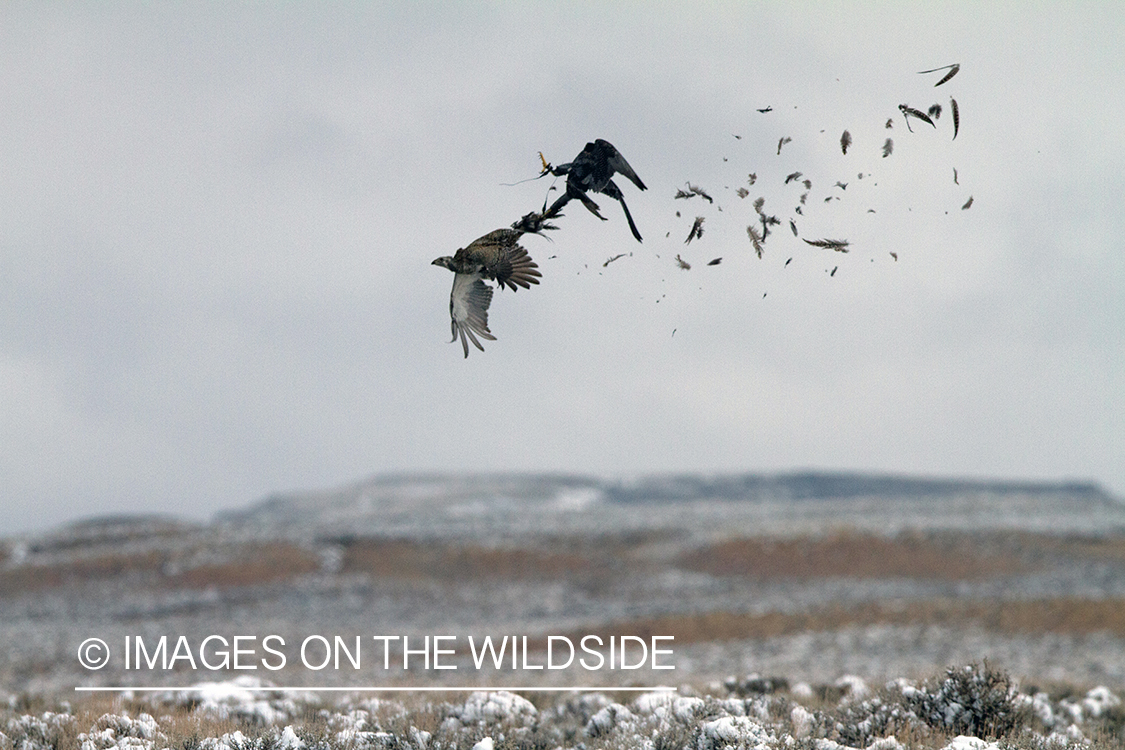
<point x="593" y="170"/>
<point x="497" y="256"/>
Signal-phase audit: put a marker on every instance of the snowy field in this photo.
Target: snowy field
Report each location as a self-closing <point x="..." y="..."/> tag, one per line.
<point x="816" y="582"/>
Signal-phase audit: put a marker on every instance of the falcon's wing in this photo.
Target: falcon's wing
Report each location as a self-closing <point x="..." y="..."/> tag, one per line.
<point x="618" y="164"/>
<point x="468" y="310"/>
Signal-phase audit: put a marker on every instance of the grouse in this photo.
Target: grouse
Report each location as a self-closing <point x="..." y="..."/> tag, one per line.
<point x="497" y="256"/>
<point x="593" y="169"/>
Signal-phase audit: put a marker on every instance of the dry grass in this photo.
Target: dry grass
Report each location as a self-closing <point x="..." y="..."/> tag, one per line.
<point x="585" y="561"/>
<point x="99" y="568"/>
<point x="252" y="564"/>
<point x="851" y="555"/>
<point x="1071" y="616"/>
<point x="449" y="561"/>
<point x="244" y="565"/>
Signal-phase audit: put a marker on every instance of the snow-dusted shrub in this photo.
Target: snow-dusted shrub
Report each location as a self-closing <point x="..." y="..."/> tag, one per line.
<point x="755" y="684"/>
<point x="120" y="730"/>
<point x="973" y="700"/>
<point x="733" y="731"/>
<point x="492" y="708"/>
<point x="609" y="719"/>
<point x="886" y="712"/>
<point x="46" y="730"/>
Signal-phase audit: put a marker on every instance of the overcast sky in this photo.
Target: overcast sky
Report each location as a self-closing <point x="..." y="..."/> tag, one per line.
<point x="218" y="219"/>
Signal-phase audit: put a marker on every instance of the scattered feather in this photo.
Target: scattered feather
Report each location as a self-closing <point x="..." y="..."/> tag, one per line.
<point x="682" y="263"/>
<point x="840" y="246"/>
<point x="895" y="256"/>
<point x="793" y="226"/>
<point x="715" y="262"/>
<point x="758" y="203"/>
<point x="696" y="230"/>
<point x="753" y="177"/>
<point x="845" y="141"/>
<point x="888" y="148"/>
<point x="756" y="239"/>
<point x="833" y="271"/>
<point x="807" y="184"/>
<point x="619" y="255"/>
<point x="934" y="111"/>
<point x="692" y="191"/>
<point x="955" y="182"/>
<point x="953" y="69"/>
<point x="890" y="123"/>
<point x="767" y="109"/>
<point x="908" y="112"/>
<point x="956" y="116"/>
<point x="968" y="203"/>
<point x="782" y="142"/>
<point x="788" y="261"/>
<point x="841" y="185"/>
<point x="737" y="136"/>
<point x="794" y="176"/>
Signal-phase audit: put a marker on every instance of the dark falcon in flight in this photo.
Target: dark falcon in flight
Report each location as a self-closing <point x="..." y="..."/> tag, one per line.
<point x="593" y="169"/>
<point x="497" y="256"/>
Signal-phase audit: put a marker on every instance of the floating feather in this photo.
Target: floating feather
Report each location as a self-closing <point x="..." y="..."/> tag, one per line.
<point x="755" y="239"/>
<point x="908" y="112"/>
<point x="956" y="116"/>
<point x="696" y="230"/>
<point x="845" y="141"/>
<point x="794" y="176"/>
<point x="692" y="191"/>
<point x="682" y="263"/>
<point x="953" y="69"/>
<point x="781" y="143"/>
<point x="888" y="148"/>
<point x="840" y="246"/>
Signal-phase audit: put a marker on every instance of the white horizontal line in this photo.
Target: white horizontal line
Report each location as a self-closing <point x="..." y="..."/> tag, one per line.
<point x="386" y="689"/>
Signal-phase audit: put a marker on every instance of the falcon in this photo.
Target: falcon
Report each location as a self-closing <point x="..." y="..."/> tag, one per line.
<point x="593" y="169"/>
<point x="496" y="256"/>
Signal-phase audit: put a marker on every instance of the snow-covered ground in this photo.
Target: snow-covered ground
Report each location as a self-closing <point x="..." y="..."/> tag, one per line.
<point x="528" y="555"/>
<point x="967" y="708"/>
